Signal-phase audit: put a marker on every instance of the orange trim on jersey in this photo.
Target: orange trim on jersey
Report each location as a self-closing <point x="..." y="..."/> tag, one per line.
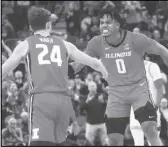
<point x="30" y="118"/>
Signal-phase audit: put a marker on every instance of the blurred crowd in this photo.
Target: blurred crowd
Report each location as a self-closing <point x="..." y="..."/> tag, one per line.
<point x="82" y="23"/>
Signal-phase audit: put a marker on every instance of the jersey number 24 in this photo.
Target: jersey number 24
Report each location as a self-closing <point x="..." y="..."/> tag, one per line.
<point x="55" y="55"/>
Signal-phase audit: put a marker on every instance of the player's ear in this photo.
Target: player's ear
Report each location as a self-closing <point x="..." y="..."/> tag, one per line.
<point x="30" y="28"/>
<point x="117" y="24"/>
<point x="48" y="25"/>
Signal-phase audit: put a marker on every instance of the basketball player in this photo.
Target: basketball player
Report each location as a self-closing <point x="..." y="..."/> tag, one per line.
<point x="48" y="64"/>
<point x="122" y="53"/>
<point x="155" y="81"/>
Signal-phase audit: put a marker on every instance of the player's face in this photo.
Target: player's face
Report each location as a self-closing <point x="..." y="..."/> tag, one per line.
<point x="108" y="25"/>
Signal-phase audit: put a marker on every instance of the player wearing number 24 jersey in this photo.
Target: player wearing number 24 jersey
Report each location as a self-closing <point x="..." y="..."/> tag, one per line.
<point x="121" y="52"/>
<point x="47" y="60"/>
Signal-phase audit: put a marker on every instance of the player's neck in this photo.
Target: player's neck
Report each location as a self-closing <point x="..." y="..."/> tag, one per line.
<point x="42" y="32"/>
<point x="115" y="38"/>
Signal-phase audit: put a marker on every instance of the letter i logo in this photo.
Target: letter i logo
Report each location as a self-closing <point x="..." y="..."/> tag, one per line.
<point x="35" y="133"/>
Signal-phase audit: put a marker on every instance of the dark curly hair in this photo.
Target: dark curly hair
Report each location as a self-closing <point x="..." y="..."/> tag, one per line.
<point x="114" y="14"/>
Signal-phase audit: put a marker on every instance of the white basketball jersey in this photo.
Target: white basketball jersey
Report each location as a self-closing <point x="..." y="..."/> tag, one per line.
<point x="152" y="73"/>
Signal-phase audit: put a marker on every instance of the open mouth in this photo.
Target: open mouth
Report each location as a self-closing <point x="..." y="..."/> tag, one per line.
<point x="105" y="31"/>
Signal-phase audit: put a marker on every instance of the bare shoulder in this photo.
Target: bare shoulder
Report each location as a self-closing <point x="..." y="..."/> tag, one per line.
<point x="69" y="45"/>
<point x="23" y="43"/>
<point x="22" y="48"/>
<point x="137" y="36"/>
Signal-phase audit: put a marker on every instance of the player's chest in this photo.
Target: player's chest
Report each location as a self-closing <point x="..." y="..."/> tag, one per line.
<point x="110" y="55"/>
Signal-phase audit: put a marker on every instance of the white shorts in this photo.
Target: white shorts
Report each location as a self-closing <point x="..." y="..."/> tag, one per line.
<point x="92" y="130"/>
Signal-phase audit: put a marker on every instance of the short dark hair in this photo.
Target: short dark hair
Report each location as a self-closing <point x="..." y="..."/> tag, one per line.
<point x="114" y="14"/>
<point x="38" y="17"/>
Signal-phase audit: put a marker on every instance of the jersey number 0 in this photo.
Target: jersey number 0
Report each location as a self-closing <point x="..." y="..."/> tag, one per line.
<point x="120" y="66"/>
<point x="55" y="55"/>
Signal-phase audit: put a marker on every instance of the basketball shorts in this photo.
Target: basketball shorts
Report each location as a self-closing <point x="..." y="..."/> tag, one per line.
<point x="119" y="105"/>
<point x="50" y="115"/>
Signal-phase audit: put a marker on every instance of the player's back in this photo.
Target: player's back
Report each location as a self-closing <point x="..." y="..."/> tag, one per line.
<point x="48" y="64"/>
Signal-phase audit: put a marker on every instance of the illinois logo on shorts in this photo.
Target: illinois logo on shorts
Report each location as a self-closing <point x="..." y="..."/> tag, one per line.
<point x="35" y="134"/>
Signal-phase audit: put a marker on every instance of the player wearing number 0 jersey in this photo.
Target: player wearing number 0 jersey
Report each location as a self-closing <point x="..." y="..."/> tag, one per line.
<point x="122" y="53"/>
<point x="51" y="108"/>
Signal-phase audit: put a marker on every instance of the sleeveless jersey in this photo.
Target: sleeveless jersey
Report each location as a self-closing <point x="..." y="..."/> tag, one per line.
<point x="152" y="73"/>
<point x="124" y="62"/>
<point x="48" y="64"/>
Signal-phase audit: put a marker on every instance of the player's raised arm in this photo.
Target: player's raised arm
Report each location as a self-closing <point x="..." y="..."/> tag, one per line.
<point x="90" y="50"/>
<point x="80" y="57"/>
<point x="151" y="46"/>
<point x="18" y="54"/>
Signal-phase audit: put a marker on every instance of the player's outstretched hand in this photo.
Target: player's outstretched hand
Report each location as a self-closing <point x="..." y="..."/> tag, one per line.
<point x="105" y="74"/>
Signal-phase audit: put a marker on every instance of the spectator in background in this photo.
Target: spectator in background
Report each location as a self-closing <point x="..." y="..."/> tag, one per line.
<point x="151" y="6"/>
<point x="95" y="27"/>
<point x="81" y="140"/>
<point x="164" y="108"/>
<point x="6" y="49"/>
<point x="95" y="121"/>
<point x="12" y="97"/>
<point x="89" y="78"/>
<point x="86" y="26"/>
<point x="136" y="30"/>
<point x="7" y="28"/>
<point x="22" y="84"/>
<point x="99" y="82"/>
<point x="78" y="84"/>
<point x="18" y="75"/>
<point x="165" y="89"/>
<point x="24" y="126"/>
<point x="15" y="100"/>
<point x="72" y="21"/>
<point x="156" y="35"/>
<point x="71" y="86"/>
<point x="4" y="58"/>
<point x="12" y="136"/>
<point x="166" y="30"/>
<point x="164" y="121"/>
<point x="153" y="22"/>
<point x="132" y="13"/>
